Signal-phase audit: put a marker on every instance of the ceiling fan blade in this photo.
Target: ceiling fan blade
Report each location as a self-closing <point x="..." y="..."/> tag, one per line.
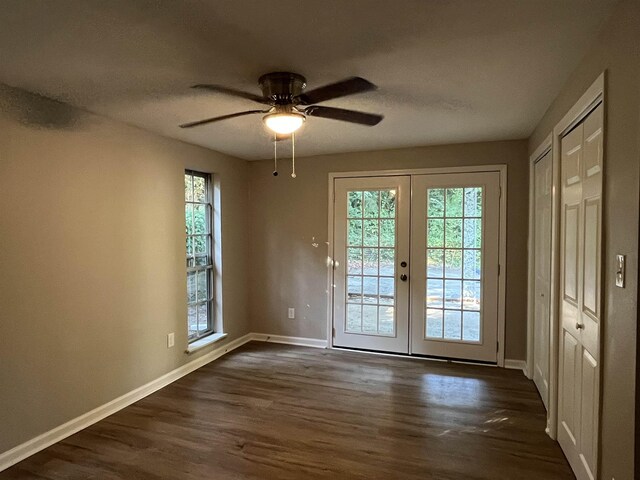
<point x="233" y="92"/>
<point x="349" y="86"/>
<point x="351" y="116"/>
<point x="223" y="117"/>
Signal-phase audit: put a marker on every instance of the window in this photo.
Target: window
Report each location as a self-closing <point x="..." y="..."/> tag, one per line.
<point x="199" y="262"/>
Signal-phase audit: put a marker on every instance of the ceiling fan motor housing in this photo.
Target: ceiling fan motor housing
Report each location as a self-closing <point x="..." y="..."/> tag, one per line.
<point x="282" y="87"/>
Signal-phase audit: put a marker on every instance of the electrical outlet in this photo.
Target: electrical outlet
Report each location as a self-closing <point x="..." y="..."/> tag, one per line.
<point x="171" y="340"/>
<point x="292" y="312"/>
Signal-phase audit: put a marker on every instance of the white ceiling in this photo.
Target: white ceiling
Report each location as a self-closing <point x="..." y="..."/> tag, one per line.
<point x="449" y="71"/>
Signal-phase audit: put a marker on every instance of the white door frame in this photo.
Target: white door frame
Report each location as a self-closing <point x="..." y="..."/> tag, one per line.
<point x="502" y="169"/>
<point x="546" y="147"/>
<point x="594" y="95"/>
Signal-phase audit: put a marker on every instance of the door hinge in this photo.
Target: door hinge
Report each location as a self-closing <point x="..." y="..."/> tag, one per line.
<point x="497" y="347"/>
<point x="333" y="332"/>
<point x="499" y="269"/>
<point x="499" y="192"/>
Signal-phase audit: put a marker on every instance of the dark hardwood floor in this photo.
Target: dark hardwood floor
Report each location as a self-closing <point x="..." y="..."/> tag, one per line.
<point x="269" y="411"/>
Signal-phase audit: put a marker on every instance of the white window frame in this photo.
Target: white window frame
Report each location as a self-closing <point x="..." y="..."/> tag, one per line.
<point x="208" y="267"/>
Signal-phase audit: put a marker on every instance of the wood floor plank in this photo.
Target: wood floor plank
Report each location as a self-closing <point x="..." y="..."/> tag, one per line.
<point x="269" y="411"/>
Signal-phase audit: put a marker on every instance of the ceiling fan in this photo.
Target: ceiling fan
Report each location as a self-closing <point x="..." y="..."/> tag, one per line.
<point x="289" y="104"/>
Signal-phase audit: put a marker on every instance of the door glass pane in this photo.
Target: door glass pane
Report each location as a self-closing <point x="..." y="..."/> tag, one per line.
<point x="472" y="264"/>
<point x="453" y="232"/>
<point x="354" y="318"/>
<point x="388" y="204"/>
<point x="371" y="257"/>
<point x="453" y="205"/>
<point x="385" y="319"/>
<point x="387" y="261"/>
<point x="472" y="232"/>
<point x="354" y="234"/>
<point x="387" y="233"/>
<point x="354" y="289"/>
<point x="435" y="291"/>
<point x="454" y="264"/>
<point x="354" y="260"/>
<point x="473" y="202"/>
<point x="434" y="323"/>
<point x="386" y="290"/>
<point x="369" y="318"/>
<point x="370" y="289"/>
<point x="354" y="202"/>
<point x="435" y="263"/>
<point x="453" y="294"/>
<point x="371" y="233"/>
<point x="435" y="203"/>
<point x="471" y="326"/>
<point x="435" y="233"/>
<point x="371" y="204"/>
<point x="452" y="324"/>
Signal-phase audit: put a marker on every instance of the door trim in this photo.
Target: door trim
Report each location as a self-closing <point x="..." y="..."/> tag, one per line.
<point x="502" y="255"/>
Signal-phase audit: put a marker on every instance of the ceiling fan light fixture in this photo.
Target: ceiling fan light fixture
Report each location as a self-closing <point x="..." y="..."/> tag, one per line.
<point x="283" y="123"/>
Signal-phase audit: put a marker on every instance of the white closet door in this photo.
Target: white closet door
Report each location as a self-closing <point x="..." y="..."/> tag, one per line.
<point x="542" y="274"/>
<point x="581" y="218"/>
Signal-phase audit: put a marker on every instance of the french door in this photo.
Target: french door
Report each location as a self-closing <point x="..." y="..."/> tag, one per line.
<point x="455" y="225"/>
<point x="416" y="264"/>
<point x="371" y="299"/>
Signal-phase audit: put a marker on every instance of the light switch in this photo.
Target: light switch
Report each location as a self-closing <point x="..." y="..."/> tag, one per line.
<point x="171" y="340"/>
<point x="620" y="267"/>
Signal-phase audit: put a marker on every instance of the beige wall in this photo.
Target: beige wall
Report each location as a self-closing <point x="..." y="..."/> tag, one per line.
<point x="92" y="259"/>
<point x="617" y="50"/>
<point x="289" y="232"/>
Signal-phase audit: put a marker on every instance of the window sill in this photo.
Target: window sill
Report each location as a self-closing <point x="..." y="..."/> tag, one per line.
<point x="204" y="342"/>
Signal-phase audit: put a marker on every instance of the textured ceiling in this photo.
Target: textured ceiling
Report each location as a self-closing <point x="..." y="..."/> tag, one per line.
<point x="449" y="71"/>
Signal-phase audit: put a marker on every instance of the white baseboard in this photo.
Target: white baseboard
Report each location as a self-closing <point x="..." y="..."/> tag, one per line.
<point x="301" y="341"/>
<point x="28" y="448"/>
<point x="516" y="365"/>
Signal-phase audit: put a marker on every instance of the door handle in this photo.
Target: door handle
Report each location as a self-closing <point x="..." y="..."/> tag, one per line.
<point x="403" y="277"/>
<point x="579" y="326"/>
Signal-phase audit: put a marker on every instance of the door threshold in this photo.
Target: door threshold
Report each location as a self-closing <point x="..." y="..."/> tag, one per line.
<point x="432" y="358"/>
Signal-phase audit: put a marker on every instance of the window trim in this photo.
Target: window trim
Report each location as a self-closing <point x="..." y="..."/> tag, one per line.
<point x="202" y="342"/>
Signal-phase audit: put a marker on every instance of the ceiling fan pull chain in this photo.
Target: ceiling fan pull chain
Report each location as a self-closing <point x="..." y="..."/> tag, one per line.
<point x="275" y="154"/>
<point x="293" y="155"/>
